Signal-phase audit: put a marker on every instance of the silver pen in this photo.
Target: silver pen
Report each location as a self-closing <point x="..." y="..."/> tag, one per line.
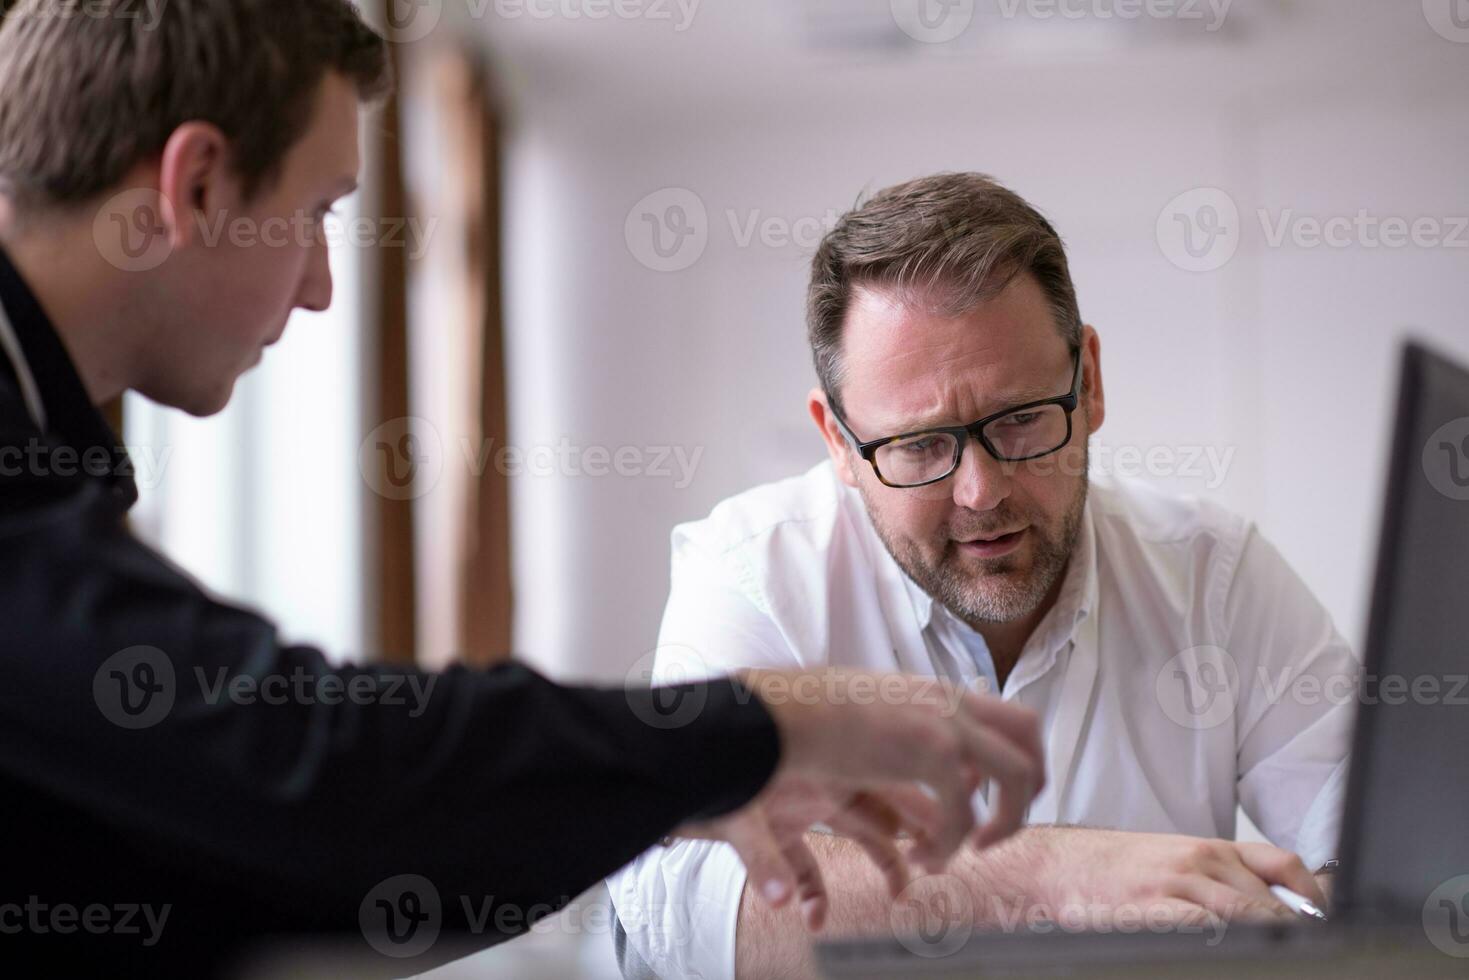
<point x="1297" y="903"/>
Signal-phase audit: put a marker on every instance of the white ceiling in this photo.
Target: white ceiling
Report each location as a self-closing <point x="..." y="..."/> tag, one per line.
<point x="743" y="58"/>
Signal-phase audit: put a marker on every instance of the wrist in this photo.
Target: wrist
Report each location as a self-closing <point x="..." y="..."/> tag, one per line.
<point x="802" y="727"/>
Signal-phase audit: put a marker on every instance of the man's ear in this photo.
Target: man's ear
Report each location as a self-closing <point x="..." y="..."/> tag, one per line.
<point x="1094" y="397"/>
<point x="836" y="444"/>
<point x="197" y="181"/>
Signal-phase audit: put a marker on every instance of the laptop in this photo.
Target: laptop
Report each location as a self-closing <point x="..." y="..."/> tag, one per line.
<point x="1401" y="896"/>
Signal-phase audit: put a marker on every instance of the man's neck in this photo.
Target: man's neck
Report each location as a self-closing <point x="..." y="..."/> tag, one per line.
<point x="1006" y="641"/>
<point x="84" y="299"/>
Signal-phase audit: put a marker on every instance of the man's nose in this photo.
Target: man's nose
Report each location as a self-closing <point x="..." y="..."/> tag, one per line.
<point x="981" y="481"/>
<point x="316" y="288"/>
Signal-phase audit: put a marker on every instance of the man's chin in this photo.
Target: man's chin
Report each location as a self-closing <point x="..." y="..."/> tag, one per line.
<point x="196" y="400"/>
<point x="212" y="403"/>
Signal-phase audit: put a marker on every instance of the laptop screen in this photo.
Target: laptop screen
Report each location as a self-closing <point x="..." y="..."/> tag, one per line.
<point x="1406" y="828"/>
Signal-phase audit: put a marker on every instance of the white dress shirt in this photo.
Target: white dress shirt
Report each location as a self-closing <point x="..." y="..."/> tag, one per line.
<point x="1167" y="675"/>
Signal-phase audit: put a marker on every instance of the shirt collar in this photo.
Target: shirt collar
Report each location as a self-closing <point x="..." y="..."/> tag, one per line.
<point x="66" y="413"/>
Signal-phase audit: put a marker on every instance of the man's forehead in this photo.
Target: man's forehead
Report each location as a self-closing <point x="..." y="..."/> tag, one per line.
<point x="905" y="363"/>
<point x="329" y="149"/>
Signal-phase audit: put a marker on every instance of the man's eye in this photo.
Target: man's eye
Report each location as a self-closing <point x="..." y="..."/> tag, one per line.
<point x="919" y="447"/>
<point x="1021" y="419"/>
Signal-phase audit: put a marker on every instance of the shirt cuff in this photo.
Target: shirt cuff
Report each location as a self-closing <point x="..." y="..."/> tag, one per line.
<point x="680" y="908"/>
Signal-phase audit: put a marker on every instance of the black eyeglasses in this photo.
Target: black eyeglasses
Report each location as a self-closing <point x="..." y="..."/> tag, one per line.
<point x="1028" y="431"/>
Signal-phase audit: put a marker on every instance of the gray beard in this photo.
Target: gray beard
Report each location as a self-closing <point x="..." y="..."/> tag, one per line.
<point x="1001" y="592"/>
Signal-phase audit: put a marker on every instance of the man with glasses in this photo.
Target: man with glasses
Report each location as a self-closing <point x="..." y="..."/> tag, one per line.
<point x="1162" y="640"/>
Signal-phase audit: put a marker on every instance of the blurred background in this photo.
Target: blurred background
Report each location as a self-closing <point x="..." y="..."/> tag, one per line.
<point x="569" y="307"/>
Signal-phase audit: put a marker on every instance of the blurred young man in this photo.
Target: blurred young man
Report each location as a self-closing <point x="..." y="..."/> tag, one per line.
<point x="177" y="783"/>
<point x="954" y="531"/>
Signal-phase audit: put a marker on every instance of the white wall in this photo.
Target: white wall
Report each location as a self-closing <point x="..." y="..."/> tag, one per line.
<point x="1284" y="356"/>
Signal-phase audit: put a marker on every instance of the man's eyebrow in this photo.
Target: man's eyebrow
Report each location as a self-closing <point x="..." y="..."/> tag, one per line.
<point x="1013" y="398"/>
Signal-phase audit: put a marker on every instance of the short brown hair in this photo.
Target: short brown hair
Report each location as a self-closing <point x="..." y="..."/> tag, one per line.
<point x="951" y="241"/>
<point x="87" y="89"/>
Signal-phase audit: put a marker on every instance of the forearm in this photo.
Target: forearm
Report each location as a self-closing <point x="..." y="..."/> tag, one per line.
<point x="311" y="782"/>
<point x="988" y="885"/>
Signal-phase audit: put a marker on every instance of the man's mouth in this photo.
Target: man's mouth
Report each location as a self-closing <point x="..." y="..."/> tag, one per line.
<point x="993" y="545"/>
